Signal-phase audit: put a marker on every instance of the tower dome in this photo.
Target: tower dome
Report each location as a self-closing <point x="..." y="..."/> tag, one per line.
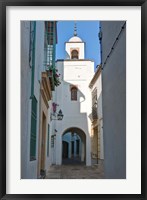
<point x="75" y="39"/>
<point x="75" y="47"/>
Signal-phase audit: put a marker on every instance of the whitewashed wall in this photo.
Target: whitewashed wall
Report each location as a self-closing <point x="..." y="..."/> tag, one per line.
<point x="114" y="99"/>
<point x="29" y="168"/>
<point x="79" y="46"/>
<point x="76" y="113"/>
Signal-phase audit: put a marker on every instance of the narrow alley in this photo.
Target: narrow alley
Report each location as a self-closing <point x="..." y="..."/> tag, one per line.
<point x="74" y="172"/>
<point x="73" y="109"/>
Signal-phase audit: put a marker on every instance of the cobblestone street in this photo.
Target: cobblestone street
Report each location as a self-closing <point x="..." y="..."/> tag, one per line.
<point x="74" y="172"/>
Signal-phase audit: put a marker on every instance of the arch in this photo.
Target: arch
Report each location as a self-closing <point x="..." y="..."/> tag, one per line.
<point x="74" y="54"/>
<point x="76" y="138"/>
<point x="73" y="128"/>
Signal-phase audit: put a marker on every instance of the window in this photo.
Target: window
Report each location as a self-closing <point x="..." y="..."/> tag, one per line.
<point x="50" y="41"/>
<point x="33" y="129"/>
<point x="94" y="104"/>
<point x="74" y="94"/>
<point x="74" y="54"/>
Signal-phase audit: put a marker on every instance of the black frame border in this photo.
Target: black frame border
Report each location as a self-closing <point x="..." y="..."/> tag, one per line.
<point x="3" y="5"/>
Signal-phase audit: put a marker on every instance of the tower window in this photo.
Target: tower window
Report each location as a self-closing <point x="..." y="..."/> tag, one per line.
<point x="74" y="94"/>
<point x="74" y="54"/>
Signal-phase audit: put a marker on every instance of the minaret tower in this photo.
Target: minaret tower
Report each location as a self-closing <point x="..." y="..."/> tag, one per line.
<point x="74" y="98"/>
<point x="75" y="47"/>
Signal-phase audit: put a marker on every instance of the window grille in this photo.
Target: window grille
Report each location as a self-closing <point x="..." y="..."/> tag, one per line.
<point x="50" y="44"/>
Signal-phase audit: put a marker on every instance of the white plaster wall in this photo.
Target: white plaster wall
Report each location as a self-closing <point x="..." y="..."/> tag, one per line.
<point x="26" y="166"/>
<point x="29" y="168"/>
<point x="75" y="112"/>
<point x="71" y="45"/>
<point x="49" y="158"/>
<point x="109" y="32"/>
<point x="114" y="100"/>
<point x="25" y="94"/>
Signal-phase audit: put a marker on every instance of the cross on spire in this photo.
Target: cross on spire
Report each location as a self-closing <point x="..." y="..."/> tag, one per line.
<point x="75" y="29"/>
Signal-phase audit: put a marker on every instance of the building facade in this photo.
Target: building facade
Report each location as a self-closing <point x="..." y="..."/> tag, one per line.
<point x="113" y="44"/>
<point x="96" y="116"/>
<point x="73" y="97"/>
<point x="38" y="40"/>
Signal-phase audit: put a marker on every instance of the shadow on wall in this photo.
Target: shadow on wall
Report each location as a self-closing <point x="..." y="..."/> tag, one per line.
<point x="74" y="104"/>
<point x="76" y="120"/>
<point x="75" y="110"/>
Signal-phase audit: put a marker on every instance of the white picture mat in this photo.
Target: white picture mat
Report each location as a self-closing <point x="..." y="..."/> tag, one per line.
<point x="130" y="185"/>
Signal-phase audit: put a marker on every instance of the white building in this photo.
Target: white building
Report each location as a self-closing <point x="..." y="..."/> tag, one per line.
<point x="97" y="144"/>
<point x="38" y="39"/>
<point x="73" y="97"/>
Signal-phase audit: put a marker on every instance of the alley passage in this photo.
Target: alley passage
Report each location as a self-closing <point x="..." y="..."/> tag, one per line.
<point x="74" y="172"/>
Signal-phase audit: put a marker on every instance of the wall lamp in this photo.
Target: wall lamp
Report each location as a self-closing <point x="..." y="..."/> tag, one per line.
<point x="56" y="116"/>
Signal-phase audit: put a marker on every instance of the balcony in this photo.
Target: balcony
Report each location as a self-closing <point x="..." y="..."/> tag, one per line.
<point x="94" y="115"/>
<point x="94" y="112"/>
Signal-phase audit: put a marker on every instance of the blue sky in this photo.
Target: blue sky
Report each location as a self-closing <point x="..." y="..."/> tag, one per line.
<point x="87" y="31"/>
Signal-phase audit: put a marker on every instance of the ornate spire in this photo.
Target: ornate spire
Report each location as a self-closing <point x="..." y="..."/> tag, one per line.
<point x="75" y="29"/>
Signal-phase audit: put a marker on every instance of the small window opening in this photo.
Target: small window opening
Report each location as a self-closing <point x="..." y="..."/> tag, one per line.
<point x="74" y="94"/>
<point x="74" y="54"/>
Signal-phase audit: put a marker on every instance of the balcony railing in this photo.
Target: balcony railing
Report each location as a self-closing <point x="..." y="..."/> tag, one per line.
<point x="94" y="114"/>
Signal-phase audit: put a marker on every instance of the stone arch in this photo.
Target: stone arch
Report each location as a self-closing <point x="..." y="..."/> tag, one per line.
<point x="77" y="157"/>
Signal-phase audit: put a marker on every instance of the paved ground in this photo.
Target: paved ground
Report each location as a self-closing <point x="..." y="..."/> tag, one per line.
<point x="74" y="171"/>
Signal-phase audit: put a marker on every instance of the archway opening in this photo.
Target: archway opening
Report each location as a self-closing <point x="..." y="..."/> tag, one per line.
<point x="74" y="54"/>
<point x="65" y="149"/>
<point x="73" y="147"/>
